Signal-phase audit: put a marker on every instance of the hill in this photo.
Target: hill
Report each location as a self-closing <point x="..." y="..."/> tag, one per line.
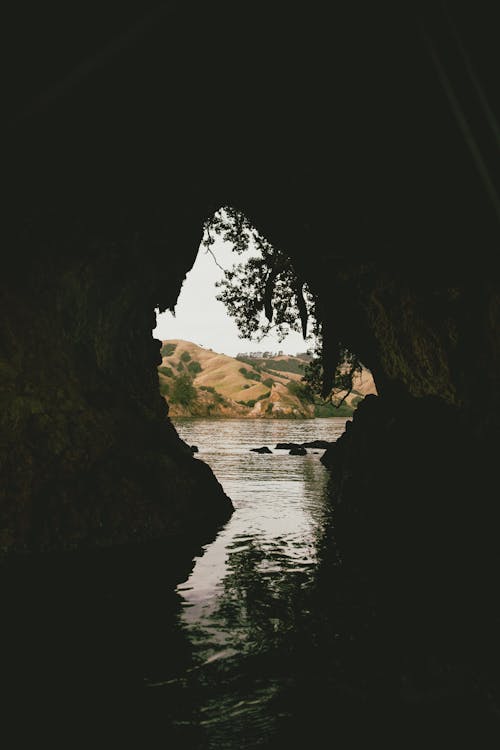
<point x="200" y="382"/>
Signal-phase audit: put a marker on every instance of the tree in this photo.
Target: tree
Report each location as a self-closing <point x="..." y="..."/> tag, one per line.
<point x="265" y="292"/>
<point x="183" y="391"/>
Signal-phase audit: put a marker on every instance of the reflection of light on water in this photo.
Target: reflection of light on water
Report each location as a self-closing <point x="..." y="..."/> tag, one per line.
<point x="269" y="545"/>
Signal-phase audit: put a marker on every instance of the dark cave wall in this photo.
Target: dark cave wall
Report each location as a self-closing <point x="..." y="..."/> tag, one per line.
<point x="88" y="455"/>
<point x="336" y="141"/>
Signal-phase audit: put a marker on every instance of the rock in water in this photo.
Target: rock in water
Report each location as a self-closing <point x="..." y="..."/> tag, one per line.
<point x="298" y="451"/>
<point x="194" y="449"/>
<point x="287" y="446"/>
<point x="264" y="449"/>
<point x="317" y="444"/>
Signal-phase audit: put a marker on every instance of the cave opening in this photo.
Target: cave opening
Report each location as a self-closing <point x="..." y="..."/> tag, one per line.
<point x="368" y="151"/>
<point x="244" y="338"/>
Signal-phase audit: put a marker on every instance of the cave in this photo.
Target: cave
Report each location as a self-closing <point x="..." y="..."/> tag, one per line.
<point x="367" y="149"/>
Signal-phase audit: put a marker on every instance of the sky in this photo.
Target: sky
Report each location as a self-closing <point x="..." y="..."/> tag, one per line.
<point x="200" y="318"/>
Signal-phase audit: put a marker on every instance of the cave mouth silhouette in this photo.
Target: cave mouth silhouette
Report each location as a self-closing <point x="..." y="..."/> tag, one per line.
<point x="366" y="150"/>
<point x="243" y="295"/>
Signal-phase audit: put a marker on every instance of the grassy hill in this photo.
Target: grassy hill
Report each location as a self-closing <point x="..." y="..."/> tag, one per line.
<point x="200" y="382"/>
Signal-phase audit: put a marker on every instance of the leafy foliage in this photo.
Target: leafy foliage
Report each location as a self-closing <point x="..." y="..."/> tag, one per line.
<point x="302" y="391"/>
<point x="167" y="371"/>
<point x="287" y="365"/>
<point x="183" y="391"/>
<point x="194" y="367"/>
<point x="168" y="349"/>
<point x="249" y="361"/>
<point x="274" y="297"/>
<point x="185" y="357"/>
<point x="249" y="375"/>
<point x="342" y="379"/>
<point x="164" y="388"/>
<point x="218" y="397"/>
<point x="327" y="409"/>
<point x="268" y="382"/>
<point x="180" y="366"/>
<point x="265" y="293"/>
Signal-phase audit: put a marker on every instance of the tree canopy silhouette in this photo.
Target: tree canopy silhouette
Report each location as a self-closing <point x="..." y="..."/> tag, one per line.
<point x="264" y="293"/>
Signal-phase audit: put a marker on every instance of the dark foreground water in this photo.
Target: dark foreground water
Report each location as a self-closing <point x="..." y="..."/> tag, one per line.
<point x="246" y="605"/>
<point x="272" y="640"/>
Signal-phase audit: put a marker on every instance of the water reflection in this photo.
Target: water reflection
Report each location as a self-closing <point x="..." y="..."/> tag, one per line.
<point x="269" y="643"/>
<point x="247" y="608"/>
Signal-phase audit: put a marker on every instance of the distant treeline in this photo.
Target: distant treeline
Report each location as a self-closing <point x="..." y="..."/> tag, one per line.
<point x="276" y="365"/>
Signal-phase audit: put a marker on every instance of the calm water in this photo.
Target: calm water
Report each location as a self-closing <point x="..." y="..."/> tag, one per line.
<point x="272" y="641"/>
<point x="248" y="608"/>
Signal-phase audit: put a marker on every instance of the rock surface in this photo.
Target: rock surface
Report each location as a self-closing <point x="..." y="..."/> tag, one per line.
<point x="317" y="444"/>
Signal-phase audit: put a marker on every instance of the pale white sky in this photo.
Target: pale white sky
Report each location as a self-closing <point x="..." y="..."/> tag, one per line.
<point x="200" y="318"/>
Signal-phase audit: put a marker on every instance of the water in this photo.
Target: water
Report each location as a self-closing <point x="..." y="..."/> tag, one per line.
<point x="272" y="641"/>
<point x="247" y="609"/>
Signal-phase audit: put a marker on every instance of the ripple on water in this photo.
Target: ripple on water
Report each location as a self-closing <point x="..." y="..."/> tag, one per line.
<point x="245" y="603"/>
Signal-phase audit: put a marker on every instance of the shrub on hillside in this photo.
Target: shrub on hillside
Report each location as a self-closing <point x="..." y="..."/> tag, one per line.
<point x="183" y="391"/>
<point x="329" y="410"/>
<point x="300" y="390"/>
<point x="251" y="403"/>
<point x="218" y="398"/>
<point x="164" y="388"/>
<point x="268" y="382"/>
<point x="194" y="367"/>
<point x="180" y="366"/>
<point x="186" y="357"/>
<point x="249" y="361"/>
<point x="168" y="349"/>
<point x="264" y="395"/>
<point x="249" y="375"/>
<point x="167" y="371"/>
<point x="287" y="365"/>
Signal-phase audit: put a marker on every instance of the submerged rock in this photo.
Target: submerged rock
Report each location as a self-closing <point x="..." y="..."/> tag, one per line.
<point x="195" y="449"/>
<point x="264" y="449"/>
<point x="288" y="446"/>
<point x="299" y="450"/>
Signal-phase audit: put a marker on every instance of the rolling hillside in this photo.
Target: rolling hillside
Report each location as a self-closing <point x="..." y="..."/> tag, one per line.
<point x="200" y="382"/>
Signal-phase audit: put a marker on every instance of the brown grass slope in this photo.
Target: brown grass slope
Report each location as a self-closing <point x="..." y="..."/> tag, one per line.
<point x="228" y="387"/>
